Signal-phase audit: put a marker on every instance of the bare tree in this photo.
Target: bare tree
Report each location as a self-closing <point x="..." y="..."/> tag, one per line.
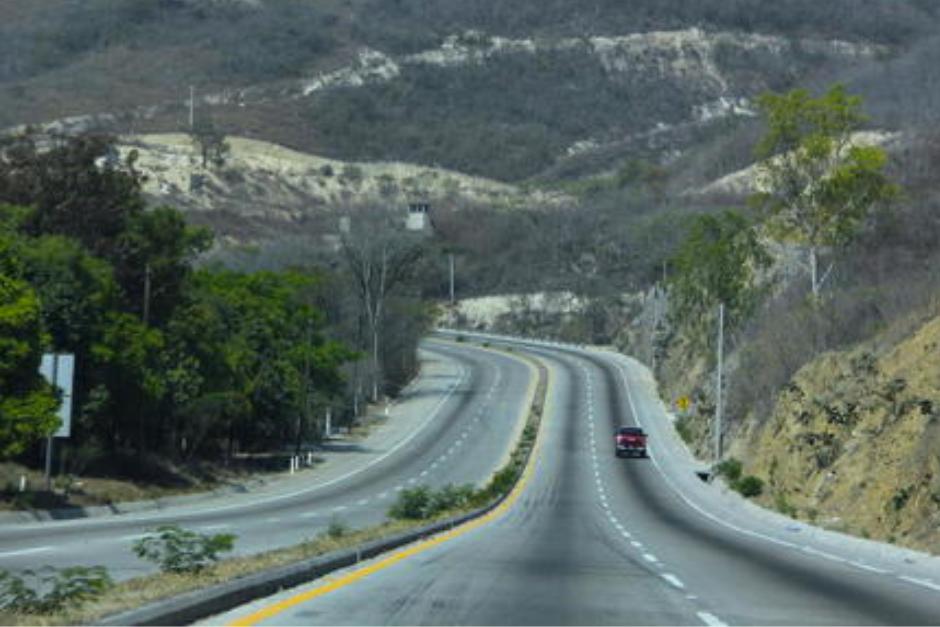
<point x="381" y="256"/>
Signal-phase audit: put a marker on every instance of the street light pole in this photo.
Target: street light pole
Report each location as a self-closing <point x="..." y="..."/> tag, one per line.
<point x="451" y="278"/>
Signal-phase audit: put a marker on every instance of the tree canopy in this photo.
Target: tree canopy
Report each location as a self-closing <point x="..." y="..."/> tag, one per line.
<point x="818" y="182"/>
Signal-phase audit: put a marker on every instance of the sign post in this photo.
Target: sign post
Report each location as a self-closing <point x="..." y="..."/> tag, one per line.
<point x="59" y="371"/>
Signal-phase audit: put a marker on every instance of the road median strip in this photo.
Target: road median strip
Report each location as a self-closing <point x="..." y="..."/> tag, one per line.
<point x="170" y="599"/>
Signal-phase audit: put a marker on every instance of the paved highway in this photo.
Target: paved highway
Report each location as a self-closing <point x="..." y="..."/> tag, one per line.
<point x="455" y="424"/>
<point x="592" y="539"/>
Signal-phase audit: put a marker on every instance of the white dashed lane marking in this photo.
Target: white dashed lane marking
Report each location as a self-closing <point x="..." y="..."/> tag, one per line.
<point x="711" y="620"/>
<point x="38" y="549"/>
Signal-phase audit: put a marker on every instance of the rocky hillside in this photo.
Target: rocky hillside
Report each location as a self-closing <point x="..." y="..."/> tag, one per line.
<point x="854" y="441"/>
<point x="261" y="190"/>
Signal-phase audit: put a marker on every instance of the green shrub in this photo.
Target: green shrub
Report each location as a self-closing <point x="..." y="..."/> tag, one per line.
<point x="503" y="481"/>
<point x="730" y="469"/>
<point x="451" y="497"/>
<point x="900" y="498"/>
<point x="49" y="590"/>
<point x="684" y="429"/>
<point x="412" y="504"/>
<point x="178" y="550"/>
<point x="422" y="502"/>
<point x="337" y="529"/>
<point x="750" y="486"/>
<point x="784" y="506"/>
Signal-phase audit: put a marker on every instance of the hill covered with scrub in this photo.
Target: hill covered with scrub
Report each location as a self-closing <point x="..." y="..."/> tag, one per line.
<point x="567" y="148"/>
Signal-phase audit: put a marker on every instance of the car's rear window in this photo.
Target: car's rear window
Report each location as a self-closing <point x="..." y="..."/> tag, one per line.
<point x="630" y="431"/>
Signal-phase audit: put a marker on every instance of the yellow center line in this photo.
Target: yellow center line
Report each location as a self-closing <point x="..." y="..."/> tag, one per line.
<point x="281" y="606"/>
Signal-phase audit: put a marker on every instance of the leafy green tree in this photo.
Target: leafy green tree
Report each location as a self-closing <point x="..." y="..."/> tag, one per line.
<point x="716" y="264"/>
<point x="127" y="361"/>
<point x="76" y="290"/>
<point x="817" y="185"/>
<point x="27" y="403"/>
<point x="259" y="354"/>
<point x="157" y="247"/>
<point x="78" y="187"/>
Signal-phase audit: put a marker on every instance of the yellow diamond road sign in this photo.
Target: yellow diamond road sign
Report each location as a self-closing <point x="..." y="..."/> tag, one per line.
<point x="683" y="403"/>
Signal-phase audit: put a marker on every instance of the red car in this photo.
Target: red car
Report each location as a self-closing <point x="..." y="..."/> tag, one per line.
<point x="630" y="442"/>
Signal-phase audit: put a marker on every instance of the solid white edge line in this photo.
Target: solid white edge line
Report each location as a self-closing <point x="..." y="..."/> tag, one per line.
<point x="924" y="583"/>
<point x="705" y="616"/>
<point x="753" y="534"/>
<point x="871" y="569"/>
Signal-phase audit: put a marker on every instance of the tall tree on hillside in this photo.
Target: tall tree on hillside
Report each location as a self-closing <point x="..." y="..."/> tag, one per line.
<point x="209" y="140"/>
<point x="716" y="264"/>
<point x="817" y="185"/>
<point x="381" y="256"/>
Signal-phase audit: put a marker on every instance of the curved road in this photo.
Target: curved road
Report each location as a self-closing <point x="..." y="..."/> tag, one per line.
<point x="593" y="539"/>
<point x="466" y="409"/>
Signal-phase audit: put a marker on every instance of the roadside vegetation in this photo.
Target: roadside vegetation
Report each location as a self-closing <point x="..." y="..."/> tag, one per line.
<point x="831" y="308"/>
<point x="179" y="365"/>
<point x="189" y="560"/>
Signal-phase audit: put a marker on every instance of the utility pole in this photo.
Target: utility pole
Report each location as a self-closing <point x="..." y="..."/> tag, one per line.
<point x="192" y="108"/>
<point x="147" y="295"/>
<point x="452" y="300"/>
<point x="654" y="327"/>
<point x="718" y="391"/>
<point x="304" y="418"/>
<point x="50" y="439"/>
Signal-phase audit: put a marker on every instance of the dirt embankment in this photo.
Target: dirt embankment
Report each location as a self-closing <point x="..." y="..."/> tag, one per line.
<point x="854" y="442"/>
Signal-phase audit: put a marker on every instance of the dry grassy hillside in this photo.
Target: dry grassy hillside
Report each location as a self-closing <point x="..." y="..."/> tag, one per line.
<point x="854" y="442"/>
<point x="263" y="190"/>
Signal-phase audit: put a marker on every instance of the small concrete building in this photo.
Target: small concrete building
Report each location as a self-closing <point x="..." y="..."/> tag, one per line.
<point x="419" y="217"/>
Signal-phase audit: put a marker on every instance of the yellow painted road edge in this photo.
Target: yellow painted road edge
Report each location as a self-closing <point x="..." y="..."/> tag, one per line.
<point x="361" y="573"/>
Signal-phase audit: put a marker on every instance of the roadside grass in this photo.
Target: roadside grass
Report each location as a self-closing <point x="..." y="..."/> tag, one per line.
<point x="140" y="591"/>
<point x="132" y="593"/>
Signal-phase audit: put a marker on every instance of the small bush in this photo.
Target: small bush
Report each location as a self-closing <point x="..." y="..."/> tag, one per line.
<point x="503" y="481"/>
<point x="750" y="486"/>
<point x="337" y="529"/>
<point x="684" y="429"/>
<point x="784" y="506"/>
<point x="730" y="469"/>
<point x="422" y="502"/>
<point x="900" y="498"/>
<point x="48" y="590"/>
<point x="178" y="550"/>
<point x="412" y="504"/>
<point x="451" y="497"/>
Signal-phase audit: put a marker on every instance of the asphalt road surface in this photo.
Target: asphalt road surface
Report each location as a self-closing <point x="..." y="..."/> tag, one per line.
<point x="455" y="424"/>
<point x="592" y="539"/>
